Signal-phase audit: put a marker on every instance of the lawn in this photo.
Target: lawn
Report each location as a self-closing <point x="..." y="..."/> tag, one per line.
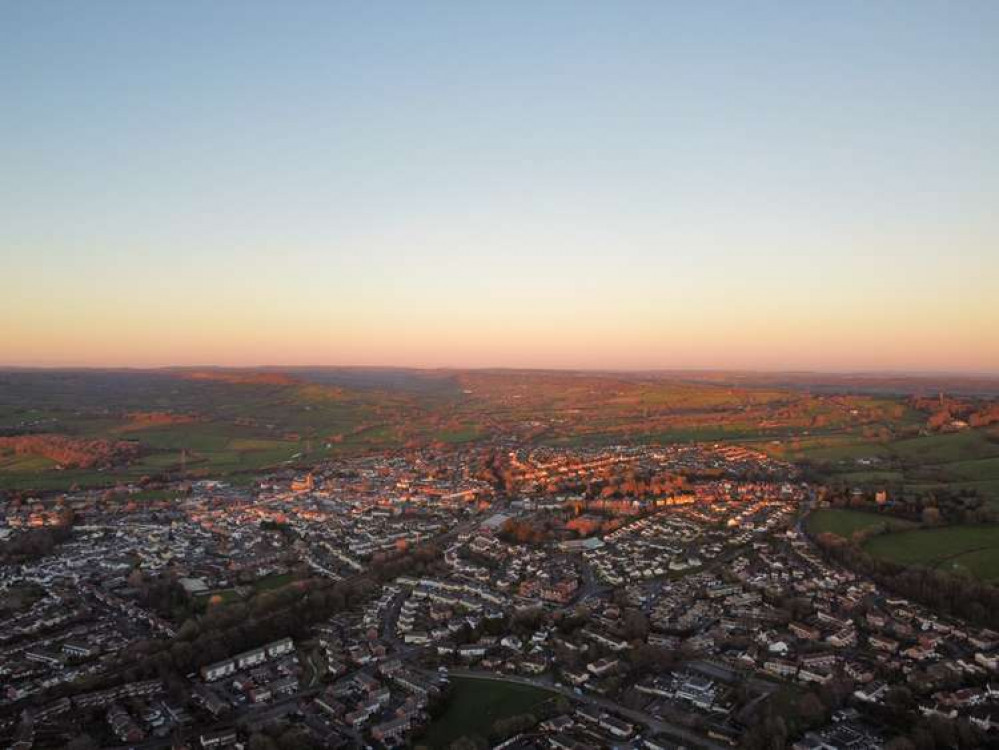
<point x="476" y="704"/>
<point x="61" y="480"/>
<point x="25" y="463"/>
<point x="273" y="581"/>
<point x="941" y="449"/>
<point x="844" y="522"/>
<point x="464" y="434"/>
<point x="876" y="477"/>
<point x="966" y="460"/>
<point x="982" y="469"/>
<point x="974" y="549"/>
<point x="267" y="583"/>
<point x="837" y="447"/>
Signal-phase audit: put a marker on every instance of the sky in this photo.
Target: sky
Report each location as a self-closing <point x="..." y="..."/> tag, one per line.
<point x="608" y="185"/>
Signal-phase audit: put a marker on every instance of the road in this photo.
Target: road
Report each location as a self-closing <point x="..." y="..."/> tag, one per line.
<point x="591" y="587"/>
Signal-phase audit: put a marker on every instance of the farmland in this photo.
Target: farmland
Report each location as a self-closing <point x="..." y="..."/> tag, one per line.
<point x="966" y="460"/>
<point x="973" y="550"/>
<point x="164" y="424"/>
<point x="845" y="522"/>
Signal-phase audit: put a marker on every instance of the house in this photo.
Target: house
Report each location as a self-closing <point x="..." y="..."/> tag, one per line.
<point x="122" y="724"/>
<point x="616" y="727"/>
<point x="558" y="724"/>
<point x="698" y="690"/>
<point x="873" y="693"/>
<point x="804" y="632"/>
<point x="472" y="651"/>
<point x="284" y="685"/>
<point x="222" y="738"/>
<point x="780" y="667"/>
<point x="575" y="678"/>
<point x="250" y="658"/>
<point x="218" y="670"/>
<point x="882" y="643"/>
<point x="76" y="648"/>
<point x="206" y="697"/>
<point x="819" y="661"/>
<point x="392" y="730"/>
<point x="602" y="666"/>
<point x="279" y="648"/>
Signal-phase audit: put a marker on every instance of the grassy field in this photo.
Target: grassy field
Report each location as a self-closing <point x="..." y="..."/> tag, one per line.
<point x="847" y="448"/>
<point x="845" y="522"/>
<point x="14" y="464"/>
<point x="947" y="448"/>
<point x="267" y="583"/>
<point x="273" y="581"/>
<point x="475" y="704"/>
<point x="971" y="549"/>
<point x="967" y="460"/>
<point x="873" y="477"/>
<point x="209" y="449"/>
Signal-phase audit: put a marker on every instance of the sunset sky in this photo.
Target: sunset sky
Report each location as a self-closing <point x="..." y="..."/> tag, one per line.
<point x="772" y="185"/>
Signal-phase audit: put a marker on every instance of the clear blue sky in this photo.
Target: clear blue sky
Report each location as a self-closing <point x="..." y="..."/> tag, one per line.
<point x="632" y="184"/>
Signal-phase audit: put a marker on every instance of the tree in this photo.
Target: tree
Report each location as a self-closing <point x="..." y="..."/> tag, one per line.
<point x="82" y="742"/>
<point x="296" y="738"/>
<point x="810" y="709"/>
<point x="635" y="625"/>
<point x="261" y="742"/>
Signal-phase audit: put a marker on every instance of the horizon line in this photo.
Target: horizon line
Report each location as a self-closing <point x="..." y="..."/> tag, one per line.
<point x="508" y="368"/>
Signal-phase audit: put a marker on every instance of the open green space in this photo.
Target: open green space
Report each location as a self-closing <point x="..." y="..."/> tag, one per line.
<point x="974" y="549"/>
<point x="872" y="477"/>
<point x="464" y="434"/>
<point x="267" y="583"/>
<point x="832" y="448"/>
<point x="273" y="581"/>
<point x="947" y="448"/>
<point x="845" y="522"/>
<point x="982" y="469"/>
<point x="14" y="464"/>
<point x="474" y="706"/>
<point x="967" y="460"/>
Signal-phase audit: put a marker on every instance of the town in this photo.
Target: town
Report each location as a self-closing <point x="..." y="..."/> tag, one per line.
<point x="633" y="597"/>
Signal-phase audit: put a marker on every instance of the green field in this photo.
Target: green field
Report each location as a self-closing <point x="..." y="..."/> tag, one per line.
<point x="209" y="449"/>
<point x="972" y="549"/>
<point x="845" y="522"/>
<point x="872" y="477"/>
<point x="267" y="583"/>
<point x="982" y="469"/>
<point x="273" y="581"/>
<point x="25" y="464"/>
<point x="947" y="448"/>
<point x="967" y="460"/>
<point x="829" y="448"/>
<point x="475" y="704"/>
